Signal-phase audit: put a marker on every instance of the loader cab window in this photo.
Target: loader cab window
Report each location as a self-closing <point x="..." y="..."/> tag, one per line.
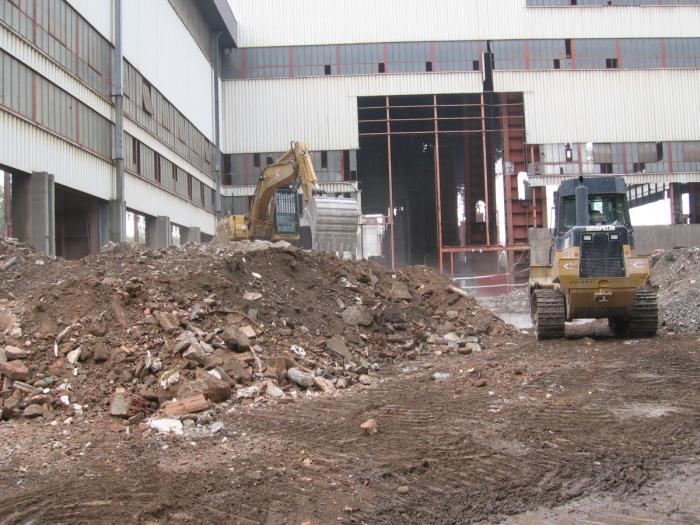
<point x="602" y="210"/>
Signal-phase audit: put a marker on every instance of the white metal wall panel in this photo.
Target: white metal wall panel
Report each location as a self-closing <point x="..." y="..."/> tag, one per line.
<point x="37" y="61"/>
<point x="163" y="50"/>
<point x="28" y="148"/>
<point x="99" y="13"/>
<point x="266" y="114"/>
<point x="607" y="106"/>
<point x="313" y="22"/>
<point x="164" y="151"/>
<point x="147" y="198"/>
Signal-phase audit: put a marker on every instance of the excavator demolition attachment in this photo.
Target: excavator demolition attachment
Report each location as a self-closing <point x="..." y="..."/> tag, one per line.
<point x="274" y="212"/>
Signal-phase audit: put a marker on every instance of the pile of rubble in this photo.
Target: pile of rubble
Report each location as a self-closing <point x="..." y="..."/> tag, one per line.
<point x="191" y="331"/>
<point x="676" y="275"/>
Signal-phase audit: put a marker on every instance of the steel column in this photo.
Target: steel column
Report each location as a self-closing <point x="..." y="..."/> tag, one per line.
<point x="438" y="200"/>
<point x="486" y="169"/>
<point x="391" y="186"/>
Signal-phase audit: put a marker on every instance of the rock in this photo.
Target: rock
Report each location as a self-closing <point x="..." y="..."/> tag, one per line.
<point x="341" y="383"/>
<point x="133" y="288"/>
<point x="403" y="489"/>
<point x="273" y="391"/>
<point x="14" y="370"/>
<point x="109" y="281"/>
<point x="324" y="385"/>
<point x="393" y="314"/>
<point x="301" y="378"/>
<point x="73" y="356"/>
<point x="357" y="315"/>
<point x="97" y="328"/>
<point x="468" y="348"/>
<point x="195" y="354"/>
<point x="16" y="332"/>
<point x="236" y="340"/>
<point x="441" y="376"/>
<point x="166" y="425"/>
<point x="120" y="405"/>
<point x="248" y="331"/>
<point x="234" y="367"/>
<point x="369" y="426"/>
<point x="25" y="387"/>
<point x="336" y="346"/>
<point x="298" y="350"/>
<point x="183" y="342"/>
<point x="250" y="392"/>
<point x="480" y="383"/>
<point x="33" y="410"/>
<point x="12" y="352"/>
<point x="452" y="314"/>
<point x="365" y="379"/>
<point x="189" y="405"/>
<point x="399" y="292"/>
<point x="276" y="368"/>
<point x="167" y="321"/>
<point x="209" y="386"/>
<point x="8" y="263"/>
<point x="252" y="296"/>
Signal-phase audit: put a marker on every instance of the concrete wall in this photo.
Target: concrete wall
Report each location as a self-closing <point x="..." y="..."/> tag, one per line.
<point x="647" y="239"/>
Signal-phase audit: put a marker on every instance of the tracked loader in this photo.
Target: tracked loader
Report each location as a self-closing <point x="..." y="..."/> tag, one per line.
<point x="274" y="211"/>
<point x="593" y="271"/>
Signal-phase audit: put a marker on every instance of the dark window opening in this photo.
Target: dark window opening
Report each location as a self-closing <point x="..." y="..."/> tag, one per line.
<point x="569" y="153"/>
<point x="475" y="65"/>
<point x="557" y="63"/>
<point x="147" y="101"/>
<point x="174" y="173"/>
<point x="156" y="167"/>
<point x="639" y="167"/>
<point x="137" y="155"/>
<point x="606" y="168"/>
<point x="227" y="179"/>
<point x="381" y="68"/>
<point x="324" y="160"/>
<point x="611" y="63"/>
<point x="189" y="187"/>
<point x="327" y="69"/>
<point x="256" y="160"/>
<point x="269" y="160"/>
<point x="568" y="46"/>
<point x="428" y="66"/>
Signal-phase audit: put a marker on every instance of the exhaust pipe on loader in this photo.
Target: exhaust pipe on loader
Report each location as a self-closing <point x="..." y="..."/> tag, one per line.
<point x="581" y="193"/>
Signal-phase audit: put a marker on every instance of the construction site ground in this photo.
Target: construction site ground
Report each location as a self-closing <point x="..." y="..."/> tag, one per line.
<point x="587" y="430"/>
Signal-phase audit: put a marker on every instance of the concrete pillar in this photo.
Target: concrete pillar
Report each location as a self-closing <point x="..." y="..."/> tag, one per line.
<point x="158" y="232"/>
<point x="34" y="211"/>
<point x="694" y="201"/>
<point x="193" y="234"/>
<point x="676" y="194"/>
<point x="117" y="221"/>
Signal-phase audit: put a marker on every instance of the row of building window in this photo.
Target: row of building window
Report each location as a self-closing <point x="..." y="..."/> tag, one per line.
<point x="33" y="97"/>
<point x="30" y="95"/>
<point x="146" y="106"/>
<point x="142" y="161"/>
<point x="558" y="3"/>
<point x="56" y="28"/>
<point x="619" y="158"/>
<point x="416" y="57"/>
<point x="330" y="166"/>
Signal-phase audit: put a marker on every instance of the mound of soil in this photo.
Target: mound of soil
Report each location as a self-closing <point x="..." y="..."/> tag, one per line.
<point x="676" y="275"/>
<point x="133" y="331"/>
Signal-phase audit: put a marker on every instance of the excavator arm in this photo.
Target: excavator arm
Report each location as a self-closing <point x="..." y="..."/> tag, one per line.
<point x="294" y="168"/>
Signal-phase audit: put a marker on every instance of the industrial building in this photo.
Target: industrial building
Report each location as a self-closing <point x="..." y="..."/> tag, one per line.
<point x="446" y="120"/>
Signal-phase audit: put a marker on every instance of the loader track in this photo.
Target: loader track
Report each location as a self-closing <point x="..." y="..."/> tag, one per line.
<point x="645" y="314"/>
<point x="548" y="313"/>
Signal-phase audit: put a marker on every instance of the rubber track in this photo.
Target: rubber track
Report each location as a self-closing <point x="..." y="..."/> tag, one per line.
<point x="645" y="314"/>
<point x="550" y="314"/>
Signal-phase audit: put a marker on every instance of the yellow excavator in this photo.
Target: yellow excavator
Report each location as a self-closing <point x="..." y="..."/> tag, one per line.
<point x="274" y="211"/>
<point x="593" y="271"/>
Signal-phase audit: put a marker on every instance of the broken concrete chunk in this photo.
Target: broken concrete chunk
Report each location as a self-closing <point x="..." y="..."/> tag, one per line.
<point x="369" y="426"/>
<point x="252" y="296"/>
<point x="249" y="392"/>
<point x="357" y="315"/>
<point x="273" y="391"/>
<point x="167" y="321"/>
<point x="120" y="405"/>
<point x="195" y="353"/>
<point x="73" y="356"/>
<point x="33" y="410"/>
<point x="12" y="352"/>
<point x="324" y="385"/>
<point x="248" y="331"/>
<point x="399" y="292"/>
<point x="235" y="339"/>
<point x="15" y="370"/>
<point x="300" y="377"/>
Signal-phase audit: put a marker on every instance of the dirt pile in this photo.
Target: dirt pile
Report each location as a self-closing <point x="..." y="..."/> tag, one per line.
<point x="192" y="330"/>
<point x="676" y="275"/>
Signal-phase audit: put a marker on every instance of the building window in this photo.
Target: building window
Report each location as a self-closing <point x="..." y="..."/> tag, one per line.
<point x="381" y="68"/>
<point x="611" y="63"/>
<point x="691" y="151"/>
<point x="256" y="160"/>
<point x="324" y="160"/>
<point x="147" y="101"/>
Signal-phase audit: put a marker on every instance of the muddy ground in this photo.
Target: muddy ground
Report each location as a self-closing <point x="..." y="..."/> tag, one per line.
<point x="587" y="430"/>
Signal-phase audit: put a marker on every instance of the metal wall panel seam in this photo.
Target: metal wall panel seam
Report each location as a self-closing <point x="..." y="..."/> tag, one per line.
<point x="28" y="148"/>
<point x="47" y="68"/>
<point x="319" y="22"/>
<point x="149" y="140"/>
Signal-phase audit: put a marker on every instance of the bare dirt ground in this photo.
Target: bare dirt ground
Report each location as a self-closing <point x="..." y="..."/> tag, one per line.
<point x="587" y="430"/>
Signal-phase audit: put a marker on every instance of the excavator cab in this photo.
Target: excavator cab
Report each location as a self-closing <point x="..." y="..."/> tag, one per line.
<point x="286" y="215"/>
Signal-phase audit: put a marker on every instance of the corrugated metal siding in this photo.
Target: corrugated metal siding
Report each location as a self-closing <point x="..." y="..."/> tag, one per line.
<point x="268" y="22"/>
<point x="607" y="106"/>
<point x="266" y="114"/>
<point x="98" y="13"/>
<point x="28" y="148"/>
<point x="23" y="52"/>
<point x="637" y="178"/>
<point x="147" y="198"/>
<point x="153" y="143"/>
<point x="163" y="50"/>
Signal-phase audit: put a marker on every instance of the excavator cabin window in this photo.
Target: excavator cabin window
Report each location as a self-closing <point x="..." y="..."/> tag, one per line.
<point x="602" y="210"/>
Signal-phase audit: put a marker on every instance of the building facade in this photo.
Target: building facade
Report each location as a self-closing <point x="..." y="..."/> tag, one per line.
<point x="446" y="119"/>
